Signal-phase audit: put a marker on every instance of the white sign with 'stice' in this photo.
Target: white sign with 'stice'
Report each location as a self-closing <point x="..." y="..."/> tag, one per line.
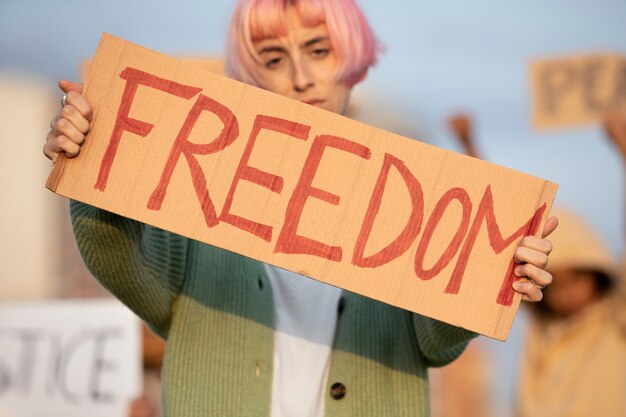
<point x="68" y="358"/>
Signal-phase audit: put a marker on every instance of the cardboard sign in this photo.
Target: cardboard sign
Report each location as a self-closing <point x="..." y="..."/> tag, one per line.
<point x="68" y="358"/>
<point x="208" y="64"/>
<point x="302" y="188"/>
<point x="577" y="90"/>
<point x="215" y="65"/>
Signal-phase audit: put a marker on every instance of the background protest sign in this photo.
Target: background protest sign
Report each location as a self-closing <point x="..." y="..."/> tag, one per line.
<point x="70" y="358"/>
<point x="302" y="188"/>
<point x="576" y="90"/>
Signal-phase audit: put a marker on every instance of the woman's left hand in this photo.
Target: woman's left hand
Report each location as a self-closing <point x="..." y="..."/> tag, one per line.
<point x="532" y="258"/>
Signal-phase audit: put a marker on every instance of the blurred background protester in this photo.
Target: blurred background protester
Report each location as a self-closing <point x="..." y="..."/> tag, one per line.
<point x="575" y="349"/>
<point x="574" y="344"/>
<point x="460" y="125"/>
<point x="461" y="388"/>
<point x="615" y="128"/>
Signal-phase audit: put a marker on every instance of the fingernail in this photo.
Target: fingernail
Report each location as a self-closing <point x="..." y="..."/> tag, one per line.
<point x="518" y="271"/>
<point x="517" y="285"/>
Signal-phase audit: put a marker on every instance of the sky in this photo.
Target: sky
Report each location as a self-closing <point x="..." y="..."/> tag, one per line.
<point x="439" y="57"/>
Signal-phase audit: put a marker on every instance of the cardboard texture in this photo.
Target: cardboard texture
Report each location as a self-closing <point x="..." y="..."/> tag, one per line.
<point x="215" y="65"/>
<point x="577" y="90"/>
<point x="302" y="188"/>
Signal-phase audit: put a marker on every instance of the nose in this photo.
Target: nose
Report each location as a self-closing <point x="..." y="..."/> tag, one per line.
<point x="301" y="76"/>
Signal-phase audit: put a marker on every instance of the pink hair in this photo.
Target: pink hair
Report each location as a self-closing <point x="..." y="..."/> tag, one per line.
<point x="351" y="37"/>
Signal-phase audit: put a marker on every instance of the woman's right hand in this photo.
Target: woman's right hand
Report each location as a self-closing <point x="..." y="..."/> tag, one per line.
<point x="69" y="126"/>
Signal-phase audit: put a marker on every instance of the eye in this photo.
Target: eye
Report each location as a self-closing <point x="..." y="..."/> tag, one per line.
<point x="320" y="52"/>
<point x="273" y="63"/>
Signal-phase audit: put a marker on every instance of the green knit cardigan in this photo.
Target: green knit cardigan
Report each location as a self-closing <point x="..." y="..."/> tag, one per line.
<point x="215" y="310"/>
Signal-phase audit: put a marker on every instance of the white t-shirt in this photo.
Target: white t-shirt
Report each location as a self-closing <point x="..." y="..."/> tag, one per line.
<point x="305" y="319"/>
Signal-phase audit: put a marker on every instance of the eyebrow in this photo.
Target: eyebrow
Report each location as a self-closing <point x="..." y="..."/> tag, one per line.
<point x="306" y="44"/>
<point x="267" y="49"/>
<point x="313" y="41"/>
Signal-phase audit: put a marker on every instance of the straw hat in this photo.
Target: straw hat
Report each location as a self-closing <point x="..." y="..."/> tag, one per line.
<point x="576" y="245"/>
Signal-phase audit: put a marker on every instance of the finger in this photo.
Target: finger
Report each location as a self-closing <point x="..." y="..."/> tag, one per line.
<point x="528" y="290"/>
<point x="535" y="243"/>
<point x="80" y="102"/>
<point x="64" y="127"/>
<point x="61" y="144"/>
<point x="67" y="86"/>
<point x="550" y="225"/>
<point x="49" y="152"/>
<point x="540" y="277"/>
<point x="54" y="120"/>
<point x="70" y="113"/>
<point x="526" y="255"/>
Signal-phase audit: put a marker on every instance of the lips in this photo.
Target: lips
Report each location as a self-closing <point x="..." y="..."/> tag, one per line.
<point x="314" y="102"/>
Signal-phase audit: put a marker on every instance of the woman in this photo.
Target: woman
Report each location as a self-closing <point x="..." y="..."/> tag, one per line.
<point x="249" y="339"/>
<point x="575" y="352"/>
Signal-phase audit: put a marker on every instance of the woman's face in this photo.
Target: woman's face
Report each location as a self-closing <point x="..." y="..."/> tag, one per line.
<point x="570" y="292"/>
<point x="301" y="65"/>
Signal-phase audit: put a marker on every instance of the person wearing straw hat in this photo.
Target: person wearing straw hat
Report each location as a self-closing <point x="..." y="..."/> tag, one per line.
<point x="574" y="359"/>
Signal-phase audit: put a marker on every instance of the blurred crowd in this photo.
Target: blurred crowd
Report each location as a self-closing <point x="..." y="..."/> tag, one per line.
<point x="574" y="349"/>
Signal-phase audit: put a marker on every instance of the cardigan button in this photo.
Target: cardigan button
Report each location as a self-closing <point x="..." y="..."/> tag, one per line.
<point x="338" y="391"/>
